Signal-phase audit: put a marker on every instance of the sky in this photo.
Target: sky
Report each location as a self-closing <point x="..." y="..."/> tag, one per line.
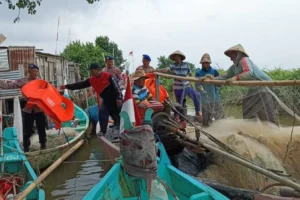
<point x="268" y="29"/>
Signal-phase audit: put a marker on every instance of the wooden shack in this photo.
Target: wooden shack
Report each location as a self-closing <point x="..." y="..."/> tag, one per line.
<point x="53" y="68"/>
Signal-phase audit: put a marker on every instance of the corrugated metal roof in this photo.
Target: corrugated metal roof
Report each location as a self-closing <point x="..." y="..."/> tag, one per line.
<point x="10" y="93"/>
<point x="49" y="54"/>
<point x="21" y="56"/>
<point x="11" y="75"/>
<point x="3" y="60"/>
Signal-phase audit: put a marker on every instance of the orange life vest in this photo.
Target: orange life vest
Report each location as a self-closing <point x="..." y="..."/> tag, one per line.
<point x="100" y="83"/>
<point x="44" y="95"/>
<point x="150" y="84"/>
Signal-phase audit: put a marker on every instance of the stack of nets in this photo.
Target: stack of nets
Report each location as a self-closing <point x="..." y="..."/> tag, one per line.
<point x="54" y="138"/>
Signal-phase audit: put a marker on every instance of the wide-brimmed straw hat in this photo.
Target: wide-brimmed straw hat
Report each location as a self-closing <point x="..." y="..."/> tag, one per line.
<point x="177" y="53"/>
<point x="205" y="58"/>
<point x="238" y="48"/>
<point x="139" y="74"/>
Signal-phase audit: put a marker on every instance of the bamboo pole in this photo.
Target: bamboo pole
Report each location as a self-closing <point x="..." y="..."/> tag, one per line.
<point x="227" y="82"/>
<point x="50" y="169"/>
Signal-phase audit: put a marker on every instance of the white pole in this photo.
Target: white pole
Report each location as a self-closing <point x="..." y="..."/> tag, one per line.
<point x="133" y="63"/>
<point x="1" y="138"/>
<point x="18" y="118"/>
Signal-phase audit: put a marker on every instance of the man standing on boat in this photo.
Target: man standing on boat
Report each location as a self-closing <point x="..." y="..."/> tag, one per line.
<point x="107" y="87"/>
<point x="182" y="88"/>
<point x="258" y="102"/>
<point x="210" y="98"/>
<point x="110" y="68"/>
<point x="31" y="114"/>
<point x="146" y="64"/>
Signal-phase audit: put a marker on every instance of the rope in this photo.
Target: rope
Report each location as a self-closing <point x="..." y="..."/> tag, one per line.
<point x="292" y="131"/>
<point x="83" y="161"/>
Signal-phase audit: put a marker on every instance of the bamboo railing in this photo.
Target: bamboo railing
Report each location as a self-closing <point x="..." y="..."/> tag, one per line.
<point x="227" y="82"/>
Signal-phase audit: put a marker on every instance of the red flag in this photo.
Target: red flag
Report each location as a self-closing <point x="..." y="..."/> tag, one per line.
<point x="131" y="53"/>
<point x="130" y="107"/>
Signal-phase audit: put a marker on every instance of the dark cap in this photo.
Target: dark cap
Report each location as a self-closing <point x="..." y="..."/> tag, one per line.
<point x="33" y="66"/>
<point x="109" y="58"/>
<point x="94" y="66"/>
<point x="146" y="57"/>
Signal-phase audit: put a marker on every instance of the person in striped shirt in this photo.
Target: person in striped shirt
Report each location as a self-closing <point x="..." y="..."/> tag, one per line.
<point x="182" y="88"/>
<point x="139" y="91"/>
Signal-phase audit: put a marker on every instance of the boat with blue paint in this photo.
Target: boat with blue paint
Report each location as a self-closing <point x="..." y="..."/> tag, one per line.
<point x="169" y="182"/>
<point x="16" y="172"/>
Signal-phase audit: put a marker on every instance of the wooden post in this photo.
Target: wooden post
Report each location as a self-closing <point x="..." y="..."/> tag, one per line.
<point x="50" y="169"/>
<point x="157" y="83"/>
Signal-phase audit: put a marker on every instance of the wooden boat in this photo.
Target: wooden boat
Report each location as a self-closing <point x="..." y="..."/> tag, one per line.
<point x="16" y="169"/>
<point x="117" y="184"/>
<point x="44" y="158"/>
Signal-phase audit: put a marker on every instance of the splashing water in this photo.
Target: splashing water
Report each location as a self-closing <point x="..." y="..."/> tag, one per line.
<point x="261" y="143"/>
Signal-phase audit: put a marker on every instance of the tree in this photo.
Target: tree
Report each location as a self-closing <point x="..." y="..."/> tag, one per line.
<point x="111" y="48"/>
<point x="164" y="62"/>
<point x="84" y="55"/>
<point x="29" y="5"/>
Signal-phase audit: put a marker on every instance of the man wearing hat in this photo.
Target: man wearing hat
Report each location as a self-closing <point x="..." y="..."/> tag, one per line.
<point x="31" y="114"/>
<point x="146" y="64"/>
<point x="210" y="97"/>
<point x="139" y="90"/>
<point x="259" y="100"/>
<point x="107" y="87"/>
<point x="182" y="88"/>
<point x="110" y="68"/>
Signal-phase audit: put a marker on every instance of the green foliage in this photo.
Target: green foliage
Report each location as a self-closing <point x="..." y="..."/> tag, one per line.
<point x="111" y="48"/>
<point x="234" y="94"/>
<point x="29" y="5"/>
<point x="164" y="62"/>
<point x="84" y="55"/>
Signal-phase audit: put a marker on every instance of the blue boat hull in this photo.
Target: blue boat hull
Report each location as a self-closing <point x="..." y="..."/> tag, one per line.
<point x="14" y="161"/>
<point x="117" y="184"/>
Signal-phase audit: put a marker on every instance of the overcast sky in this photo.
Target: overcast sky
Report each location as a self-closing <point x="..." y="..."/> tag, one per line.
<point x="269" y="30"/>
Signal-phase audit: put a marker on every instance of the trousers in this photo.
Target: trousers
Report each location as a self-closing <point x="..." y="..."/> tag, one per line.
<point x="28" y="121"/>
<point x="181" y="94"/>
<point x="107" y="110"/>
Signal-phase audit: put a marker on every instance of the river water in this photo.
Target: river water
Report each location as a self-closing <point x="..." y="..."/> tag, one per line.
<point x="79" y="173"/>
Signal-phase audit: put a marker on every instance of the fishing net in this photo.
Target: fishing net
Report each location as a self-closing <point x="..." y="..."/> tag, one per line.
<point x="260" y="123"/>
<point x="138" y="149"/>
<point x="54" y="138"/>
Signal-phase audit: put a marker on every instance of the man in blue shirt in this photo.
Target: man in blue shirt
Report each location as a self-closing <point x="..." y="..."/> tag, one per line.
<point x="182" y="88"/>
<point x="210" y="101"/>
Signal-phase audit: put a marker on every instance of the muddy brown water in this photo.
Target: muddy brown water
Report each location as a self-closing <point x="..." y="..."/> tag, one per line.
<point x="80" y="172"/>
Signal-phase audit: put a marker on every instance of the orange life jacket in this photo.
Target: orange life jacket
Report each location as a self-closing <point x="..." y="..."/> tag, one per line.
<point x="150" y="84"/>
<point x="100" y="83"/>
<point x="44" y="95"/>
